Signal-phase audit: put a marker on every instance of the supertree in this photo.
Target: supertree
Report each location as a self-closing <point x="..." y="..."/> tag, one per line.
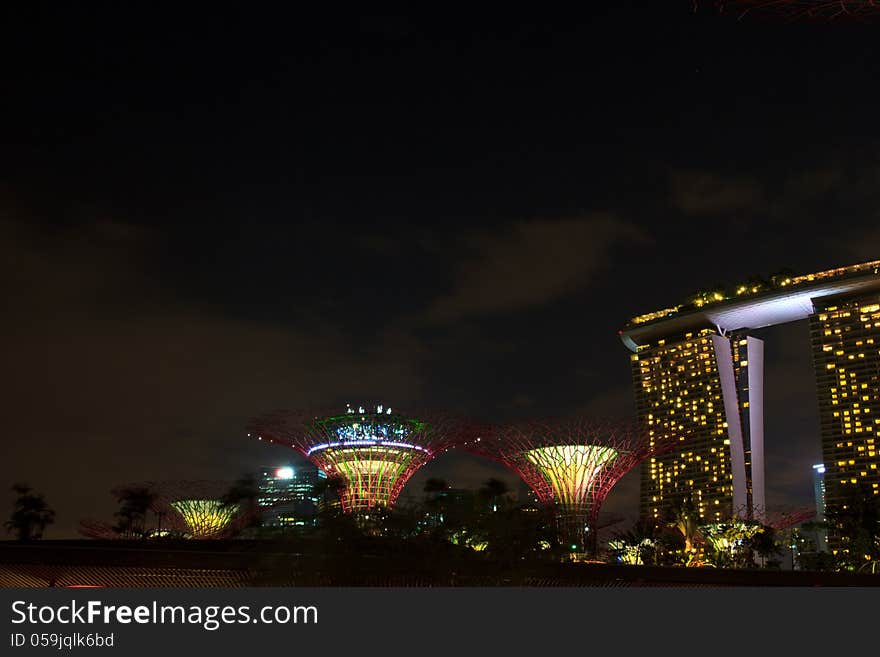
<point x="206" y="518"/>
<point x="371" y="452"/>
<point x="571" y="465"/>
<point x="188" y="509"/>
<point x="818" y="10"/>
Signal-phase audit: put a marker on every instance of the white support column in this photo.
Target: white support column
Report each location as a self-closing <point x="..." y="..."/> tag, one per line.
<point x="724" y="362"/>
<point x="755" y="350"/>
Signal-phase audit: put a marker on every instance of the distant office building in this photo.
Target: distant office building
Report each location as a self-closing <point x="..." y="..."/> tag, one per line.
<point x="845" y="336"/>
<point x="819" y="493"/>
<point x="289" y="495"/>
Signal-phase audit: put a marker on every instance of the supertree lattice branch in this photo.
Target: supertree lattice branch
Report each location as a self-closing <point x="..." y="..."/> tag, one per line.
<point x="786" y="519"/>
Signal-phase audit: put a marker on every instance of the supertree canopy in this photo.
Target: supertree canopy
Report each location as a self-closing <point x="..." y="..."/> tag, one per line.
<point x="206" y="518"/>
<point x="801" y="9"/>
<point x="371" y="452"/>
<point x="570" y="464"/>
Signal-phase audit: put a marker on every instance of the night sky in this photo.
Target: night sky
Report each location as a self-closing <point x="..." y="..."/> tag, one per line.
<point x="206" y="216"/>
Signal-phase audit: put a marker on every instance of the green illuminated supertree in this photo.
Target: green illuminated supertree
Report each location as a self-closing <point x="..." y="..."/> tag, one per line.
<point x="372" y="452"/>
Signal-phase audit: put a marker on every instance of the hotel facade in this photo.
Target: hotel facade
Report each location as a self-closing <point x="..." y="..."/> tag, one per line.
<point x="698" y="376"/>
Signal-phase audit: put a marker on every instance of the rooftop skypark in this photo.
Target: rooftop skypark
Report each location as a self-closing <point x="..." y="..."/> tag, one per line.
<point x="755" y="303"/>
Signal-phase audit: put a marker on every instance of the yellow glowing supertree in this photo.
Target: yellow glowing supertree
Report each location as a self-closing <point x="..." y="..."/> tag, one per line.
<point x="570" y="464"/>
<point x="206" y="518"/>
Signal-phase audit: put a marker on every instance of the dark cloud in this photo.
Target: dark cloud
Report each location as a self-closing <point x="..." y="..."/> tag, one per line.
<point x="706" y="193"/>
<point x="114" y="381"/>
<point x="623" y="500"/>
<point x="530" y="263"/>
<point x="867" y="247"/>
<point x="613" y="402"/>
<point x="822" y="192"/>
<point x="336" y="208"/>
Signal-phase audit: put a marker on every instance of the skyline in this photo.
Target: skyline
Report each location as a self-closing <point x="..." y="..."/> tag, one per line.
<point x="208" y="219"/>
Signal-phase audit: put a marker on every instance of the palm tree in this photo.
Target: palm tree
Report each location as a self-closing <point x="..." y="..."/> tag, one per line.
<point x="494" y="489"/>
<point x="686" y="520"/>
<point x="856" y="522"/>
<point x="326" y="485"/>
<point x="434" y="502"/>
<point x="434" y="485"/>
<point x="31" y="515"/>
<point x="638" y="545"/>
<point x="243" y="492"/>
<point x="732" y="541"/>
<point x="135" y="503"/>
<point x="242" y="499"/>
<point x="327" y="490"/>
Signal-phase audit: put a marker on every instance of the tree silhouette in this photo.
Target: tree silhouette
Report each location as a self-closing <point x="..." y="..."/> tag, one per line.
<point x="31" y="514"/>
<point x="494" y="489"/>
<point x="856" y="522"/>
<point x="686" y="520"/>
<point x="327" y="488"/>
<point x="132" y="515"/>
<point x="243" y="498"/>
<point x="434" y="485"/>
<point x="243" y="492"/>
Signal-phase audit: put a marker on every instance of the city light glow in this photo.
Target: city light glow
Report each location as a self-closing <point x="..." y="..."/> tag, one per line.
<point x="284" y="473"/>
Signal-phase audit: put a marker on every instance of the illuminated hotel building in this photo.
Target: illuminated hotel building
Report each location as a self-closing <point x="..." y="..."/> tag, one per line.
<point x="695" y="389"/>
<point x="845" y="336"/>
<point x="698" y="380"/>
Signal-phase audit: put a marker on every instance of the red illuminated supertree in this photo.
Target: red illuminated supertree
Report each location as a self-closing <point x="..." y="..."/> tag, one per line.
<point x="570" y="464"/>
<point x="819" y="10"/>
<point x="371" y="451"/>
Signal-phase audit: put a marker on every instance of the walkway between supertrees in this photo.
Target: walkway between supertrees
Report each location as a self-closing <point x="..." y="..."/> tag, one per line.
<point x="371" y="451"/>
<point x="571" y="464"/>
